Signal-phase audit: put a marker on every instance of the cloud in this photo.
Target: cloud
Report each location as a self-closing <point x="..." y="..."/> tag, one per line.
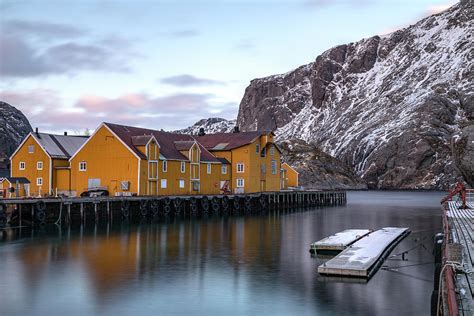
<point x="43" y="30"/>
<point x="186" y="80"/>
<point x="45" y="109"/>
<point x="66" y="52"/>
<point x="327" y="3"/>
<point x="183" y="33"/>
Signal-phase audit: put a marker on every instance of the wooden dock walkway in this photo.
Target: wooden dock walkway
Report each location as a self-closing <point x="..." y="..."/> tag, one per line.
<point x="338" y="241"/>
<point x="459" y="253"/>
<point x="363" y="257"/>
<point x="38" y="211"/>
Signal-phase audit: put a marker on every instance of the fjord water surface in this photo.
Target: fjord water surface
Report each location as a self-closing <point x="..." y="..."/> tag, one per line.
<point x="237" y="265"/>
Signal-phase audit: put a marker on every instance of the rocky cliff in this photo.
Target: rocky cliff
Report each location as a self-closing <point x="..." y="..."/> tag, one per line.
<point x="318" y="170"/>
<point x="389" y="106"/>
<point x="14" y="126"/>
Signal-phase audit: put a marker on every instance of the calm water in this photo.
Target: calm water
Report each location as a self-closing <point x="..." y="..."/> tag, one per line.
<point x="252" y="265"/>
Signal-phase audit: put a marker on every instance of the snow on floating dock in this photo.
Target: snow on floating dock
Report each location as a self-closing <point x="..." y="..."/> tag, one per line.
<point x="363" y="257"/>
<point x="339" y="241"/>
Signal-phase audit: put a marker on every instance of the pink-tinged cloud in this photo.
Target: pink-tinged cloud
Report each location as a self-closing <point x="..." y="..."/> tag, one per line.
<point x="44" y="108"/>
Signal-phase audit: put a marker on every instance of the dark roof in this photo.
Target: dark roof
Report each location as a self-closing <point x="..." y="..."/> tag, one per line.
<point x="227" y="141"/>
<point x="223" y="161"/>
<point x="60" y="146"/>
<point x="141" y="140"/>
<point x="166" y="141"/>
<point x="14" y="180"/>
<point x="184" y="144"/>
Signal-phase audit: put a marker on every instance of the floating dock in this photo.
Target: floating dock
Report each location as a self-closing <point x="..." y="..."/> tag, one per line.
<point x="339" y="241"/>
<point x="363" y="257"/>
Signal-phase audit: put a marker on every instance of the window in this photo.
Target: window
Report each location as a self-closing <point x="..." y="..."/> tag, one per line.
<point x="181" y="184"/>
<point x="163" y="183"/>
<point x="165" y="165"/>
<point x="183" y="167"/>
<point x="272" y="151"/>
<point x="39" y="181"/>
<point x="39" y="165"/>
<point x="22" y="165"/>
<point x="240" y="168"/>
<point x="263" y="168"/>
<point x="224" y="169"/>
<point x="82" y="166"/>
<point x="257" y="148"/>
<point x="209" y="168"/>
<point x="240" y="183"/>
<point x="274" y="167"/>
<point x="31" y="149"/>
<point x="264" y="151"/>
<point x="153" y="170"/>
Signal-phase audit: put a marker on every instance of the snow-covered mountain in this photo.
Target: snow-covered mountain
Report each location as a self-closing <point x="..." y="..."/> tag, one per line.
<point x="211" y="125"/>
<point x="390" y="106"/>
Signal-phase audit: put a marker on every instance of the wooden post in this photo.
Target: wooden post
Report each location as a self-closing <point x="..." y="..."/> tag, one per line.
<point x="95" y="212"/>
<point x="68" y="219"/>
<point x="82" y="213"/>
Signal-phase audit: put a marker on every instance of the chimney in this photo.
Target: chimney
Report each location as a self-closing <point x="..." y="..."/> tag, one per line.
<point x="201" y="132"/>
<point x="65" y="133"/>
<point x="37" y="132"/>
<point x="236" y="129"/>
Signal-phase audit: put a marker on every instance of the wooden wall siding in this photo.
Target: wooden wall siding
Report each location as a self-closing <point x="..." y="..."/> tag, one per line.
<point x="31" y="172"/>
<point x="110" y="161"/>
<point x="291" y="176"/>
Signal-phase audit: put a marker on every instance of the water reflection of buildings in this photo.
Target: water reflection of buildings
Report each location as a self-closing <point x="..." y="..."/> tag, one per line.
<point x="114" y="258"/>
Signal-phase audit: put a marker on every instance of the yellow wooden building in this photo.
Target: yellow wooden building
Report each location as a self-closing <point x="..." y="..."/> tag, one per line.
<point x="291" y="176"/>
<point x="11" y="187"/>
<point x="127" y="161"/>
<point x="254" y="159"/>
<point x="43" y="159"/>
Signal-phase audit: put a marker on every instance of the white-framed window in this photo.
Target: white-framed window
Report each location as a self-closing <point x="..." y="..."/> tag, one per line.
<point x="263" y="168"/>
<point x="264" y="152"/>
<point x="39" y="181"/>
<point x="153" y="169"/>
<point x="272" y="151"/>
<point x="240" y="183"/>
<point x="274" y="167"/>
<point x="240" y="167"/>
<point x="39" y="165"/>
<point x="209" y="168"/>
<point x="31" y="149"/>
<point x="163" y="183"/>
<point x="224" y="169"/>
<point x="257" y="149"/>
<point x="165" y="166"/>
<point x="181" y="184"/>
<point x="22" y="165"/>
<point x="183" y="167"/>
<point x="82" y="166"/>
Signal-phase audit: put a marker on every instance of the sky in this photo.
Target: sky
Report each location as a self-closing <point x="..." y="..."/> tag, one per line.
<point x="70" y="65"/>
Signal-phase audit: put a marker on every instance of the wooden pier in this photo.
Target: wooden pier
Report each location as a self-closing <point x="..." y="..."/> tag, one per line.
<point x="454" y="276"/>
<point x="66" y="210"/>
<point x="363" y="257"/>
<point x="339" y="241"/>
